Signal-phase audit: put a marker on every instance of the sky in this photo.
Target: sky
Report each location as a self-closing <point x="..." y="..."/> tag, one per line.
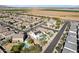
<point x="43" y="5"/>
<point x="39" y="2"/>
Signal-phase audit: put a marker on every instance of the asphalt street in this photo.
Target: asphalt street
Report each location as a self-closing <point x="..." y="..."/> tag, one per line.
<point x="50" y="48"/>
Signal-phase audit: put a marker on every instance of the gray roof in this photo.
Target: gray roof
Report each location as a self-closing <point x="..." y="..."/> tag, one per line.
<point x="67" y="51"/>
<point x="71" y="41"/>
<point x="70" y="45"/>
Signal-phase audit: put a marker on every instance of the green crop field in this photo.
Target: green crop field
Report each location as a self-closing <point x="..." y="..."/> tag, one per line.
<point x="61" y="10"/>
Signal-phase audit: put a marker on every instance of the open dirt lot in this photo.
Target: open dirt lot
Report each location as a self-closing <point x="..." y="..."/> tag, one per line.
<point x="64" y="15"/>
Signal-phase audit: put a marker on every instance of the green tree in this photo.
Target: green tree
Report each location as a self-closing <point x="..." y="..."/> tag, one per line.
<point x="30" y="41"/>
<point x="36" y="48"/>
<point x="33" y="49"/>
<point x="23" y="27"/>
<point x="17" y="48"/>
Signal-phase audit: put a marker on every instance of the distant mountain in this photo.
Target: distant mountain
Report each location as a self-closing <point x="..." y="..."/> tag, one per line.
<point x="40" y="6"/>
<point x="3" y="6"/>
<point x="57" y="6"/>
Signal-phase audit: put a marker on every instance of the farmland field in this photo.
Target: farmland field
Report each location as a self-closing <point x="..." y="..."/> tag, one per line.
<point x="67" y="14"/>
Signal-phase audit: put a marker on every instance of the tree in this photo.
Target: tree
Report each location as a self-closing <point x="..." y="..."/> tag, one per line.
<point x="31" y="25"/>
<point x="17" y="48"/>
<point x="59" y="47"/>
<point x="25" y="50"/>
<point x="57" y="27"/>
<point x="43" y="42"/>
<point x="30" y="41"/>
<point x="23" y="27"/>
<point x="10" y="22"/>
<point x="36" y="48"/>
<point x="33" y="49"/>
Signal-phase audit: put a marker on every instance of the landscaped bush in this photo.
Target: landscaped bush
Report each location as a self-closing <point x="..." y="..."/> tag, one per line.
<point x="58" y="48"/>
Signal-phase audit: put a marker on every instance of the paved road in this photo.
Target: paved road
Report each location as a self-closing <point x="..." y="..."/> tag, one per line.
<point x="5" y="24"/>
<point x="55" y="30"/>
<point x="50" y="48"/>
<point x="35" y="26"/>
<point x="1" y="43"/>
<point x="8" y="25"/>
